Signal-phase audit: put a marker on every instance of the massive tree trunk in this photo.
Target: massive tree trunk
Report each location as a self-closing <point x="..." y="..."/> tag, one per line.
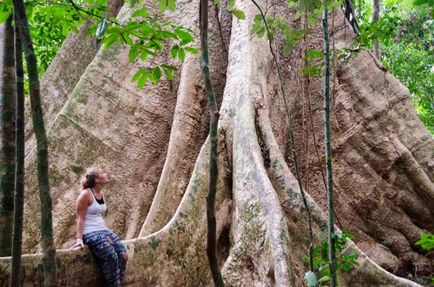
<point x="153" y="142"/>
<point x="59" y="80"/>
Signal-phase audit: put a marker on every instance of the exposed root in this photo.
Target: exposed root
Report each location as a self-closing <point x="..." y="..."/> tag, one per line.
<point x="189" y="129"/>
<point x="260" y="255"/>
<point x="367" y="273"/>
<point x="185" y="139"/>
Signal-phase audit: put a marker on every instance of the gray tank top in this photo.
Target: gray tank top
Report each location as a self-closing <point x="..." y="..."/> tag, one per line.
<point x="93" y="220"/>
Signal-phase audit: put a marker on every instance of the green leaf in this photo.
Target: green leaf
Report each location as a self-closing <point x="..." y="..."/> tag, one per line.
<point x="313" y="71"/>
<point x="291" y="3"/>
<point x="231" y="5"/>
<point x="423" y="2"/>
<point x="143" y="79"/>
<point x="334" y="4"/>
<point x="181" y="54"/>
<point x="142" y="12"/>
<point x="136" y="76"/>
<point x="184" y="36"/>
<point x="156" y="71"/>
<point x="426" y="241"/>
<point x="144" y="55"/>
<point x="171" y="5"/>
<point x="239" y="14"/>
<point x="324" y="279"/>
<point x="102" y="26"/>
<point x="168" y="73"/>
<point x="174" y="51"/>
<point x="132" y="55"/>
<point x="4" y="16"/>
<point x="310" y="279"/>
<point x="110" y="40"/>
<point x="192" y="50"/>
<point x="311" y="20"/>
<point x="133" y="3"/>
<point x="314" y="54"/>
<point x="163" y="5"/>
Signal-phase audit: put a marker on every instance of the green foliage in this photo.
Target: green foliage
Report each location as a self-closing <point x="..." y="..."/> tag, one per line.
<point x="426" y="241"/>
<point x="236" y="12"/>
<point x="239" y="14"/>
<point x="345" y="262"/>
<point x="146" y="34"/>
<point x="167" y="4"/>
<point x="278" y="26"/>
<point x="424" y="2"/>
<point x="315" y="63"/>
<point x="5" y="10"/>
<point x="406" y="34"/>
<point x="50" y="23"/>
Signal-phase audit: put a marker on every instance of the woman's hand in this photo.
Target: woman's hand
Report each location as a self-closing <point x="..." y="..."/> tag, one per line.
<point x="78" y="244"/>
<point x="126" y="257"/>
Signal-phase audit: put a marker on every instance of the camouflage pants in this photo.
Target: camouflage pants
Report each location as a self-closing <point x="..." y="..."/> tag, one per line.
<point x="109" y="252"/>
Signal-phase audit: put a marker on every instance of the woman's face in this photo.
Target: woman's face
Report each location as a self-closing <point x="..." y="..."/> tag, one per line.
<point x="102" y="177"/>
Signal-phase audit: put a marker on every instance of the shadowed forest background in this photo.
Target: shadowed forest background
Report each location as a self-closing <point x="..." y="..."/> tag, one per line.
<point x="124" y="86"/>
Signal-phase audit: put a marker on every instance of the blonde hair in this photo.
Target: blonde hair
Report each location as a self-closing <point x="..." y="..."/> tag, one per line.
<point x="88" y="180"/>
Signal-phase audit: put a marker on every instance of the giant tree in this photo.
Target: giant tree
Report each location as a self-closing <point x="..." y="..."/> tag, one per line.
<point x="153" y="142"/>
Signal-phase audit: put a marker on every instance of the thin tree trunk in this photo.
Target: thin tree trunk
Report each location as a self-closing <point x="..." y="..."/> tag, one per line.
<point x="19" y="172"/>
<point x="7" y="149"/>
<point x="350" y="14"/>
<point x="375" y="17"/>
<point x="328" y="151"/>
<point x="42" y="147"/>
<point x="213" y="172"/>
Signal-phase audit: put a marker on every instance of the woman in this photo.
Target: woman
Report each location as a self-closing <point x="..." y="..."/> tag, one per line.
<point x="111" y="255"/>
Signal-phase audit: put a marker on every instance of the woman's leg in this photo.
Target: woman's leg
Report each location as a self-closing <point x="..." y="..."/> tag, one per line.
<point x="120" y="250"/>
<point x="107" y="258"/>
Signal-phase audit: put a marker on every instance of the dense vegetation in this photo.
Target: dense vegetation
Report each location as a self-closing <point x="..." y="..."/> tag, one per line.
<point x="406" y="34"/>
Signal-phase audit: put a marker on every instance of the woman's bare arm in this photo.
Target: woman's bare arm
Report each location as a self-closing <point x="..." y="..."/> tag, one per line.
<point x="81" y="208"/>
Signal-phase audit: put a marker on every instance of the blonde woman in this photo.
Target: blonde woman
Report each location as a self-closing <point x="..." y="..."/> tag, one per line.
<point x="109" y="251"/>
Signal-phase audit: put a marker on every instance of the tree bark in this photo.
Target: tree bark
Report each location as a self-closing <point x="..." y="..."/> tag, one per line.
<point x="375" y="17"/>
<point x="64" y="72"/>
<point x="7" y="124"/>
<point x="42" y="147"/>
<point x="19" y="171"/>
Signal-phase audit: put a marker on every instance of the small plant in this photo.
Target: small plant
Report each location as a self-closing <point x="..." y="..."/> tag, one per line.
<point x="426" y="242"/>
<point x="345" y="262"/>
